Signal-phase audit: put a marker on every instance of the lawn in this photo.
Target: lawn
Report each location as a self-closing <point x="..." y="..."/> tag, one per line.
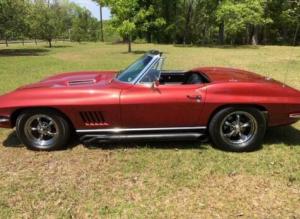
<point x="154" y="180"/>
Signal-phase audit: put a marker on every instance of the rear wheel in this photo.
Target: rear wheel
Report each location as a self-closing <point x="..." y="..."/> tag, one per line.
<point x="43" y="130"/>
<point x="238" y="129"/>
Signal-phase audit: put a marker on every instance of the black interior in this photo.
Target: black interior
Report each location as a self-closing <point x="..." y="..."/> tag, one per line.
<point x="187" y="78"/>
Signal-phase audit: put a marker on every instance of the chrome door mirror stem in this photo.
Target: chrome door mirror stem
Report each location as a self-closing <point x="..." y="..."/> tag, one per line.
<point x="155" y="84"/>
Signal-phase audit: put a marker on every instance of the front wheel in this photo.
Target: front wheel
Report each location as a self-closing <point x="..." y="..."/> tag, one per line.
<point x="238" y="129"/>
<point x="43" y="130"/>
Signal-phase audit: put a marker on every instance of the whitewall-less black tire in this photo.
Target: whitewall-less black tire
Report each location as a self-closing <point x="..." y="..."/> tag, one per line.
<point x="238" y="129"/>
<point x="43" y="130"/>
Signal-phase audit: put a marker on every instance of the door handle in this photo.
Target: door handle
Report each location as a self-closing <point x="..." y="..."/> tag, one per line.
<point x="198" y="98"/>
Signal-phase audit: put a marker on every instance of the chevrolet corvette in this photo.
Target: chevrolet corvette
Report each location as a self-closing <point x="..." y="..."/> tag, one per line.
<point x="232" y="107"/>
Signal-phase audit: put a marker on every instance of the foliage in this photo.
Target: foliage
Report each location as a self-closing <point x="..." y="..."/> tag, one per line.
<point x="101" y="3"/>
<point x="209" y="22"/>
<point x="12" y="20"/>
<point x="162" y="21"/>
<point x="240" y="15"/>
<point x="131" y="18"/>
<point x="48" y="23"/>
<point x="84" y="26"/>
<point x="46" y="20"/>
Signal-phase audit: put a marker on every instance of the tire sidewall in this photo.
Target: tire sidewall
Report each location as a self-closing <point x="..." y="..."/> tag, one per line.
<point x="62" y="125"/>
<point x="253" y="144"/>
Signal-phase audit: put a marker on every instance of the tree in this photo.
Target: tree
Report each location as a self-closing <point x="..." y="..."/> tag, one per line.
<point x="84" y="27"/>
<point x="124" y="12"/>
<point x="101" y="4"/>
<point x="172" y="14"/>
<point x="189" y="5"/>
<point x="242" y="15"/>
<point x="163" y="21"/>
<point x="130" y="18"/>
<point x="291" y="17"/>
<point x="46" y="19"/>
<point x="12" y="19"/>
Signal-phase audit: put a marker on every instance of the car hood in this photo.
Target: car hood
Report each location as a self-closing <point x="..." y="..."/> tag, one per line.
<point x="74" y="79"/>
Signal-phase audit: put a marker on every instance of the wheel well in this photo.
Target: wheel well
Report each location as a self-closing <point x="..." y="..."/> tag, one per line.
<point x="258" y="107"/>
<point x="18" y="112"/>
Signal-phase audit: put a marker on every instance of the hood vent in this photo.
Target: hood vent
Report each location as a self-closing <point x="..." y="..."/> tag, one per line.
<point x="81" y="82"/>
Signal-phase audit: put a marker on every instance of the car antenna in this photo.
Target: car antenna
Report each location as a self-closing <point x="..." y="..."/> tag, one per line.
<point x="294" y="44"/>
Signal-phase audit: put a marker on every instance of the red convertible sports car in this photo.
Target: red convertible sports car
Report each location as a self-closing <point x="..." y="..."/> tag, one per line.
<point x="143" y="102"/>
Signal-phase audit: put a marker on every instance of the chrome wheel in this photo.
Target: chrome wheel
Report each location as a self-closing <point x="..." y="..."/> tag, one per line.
<point x="42" y="130"/>
<point x="238" y="128"/>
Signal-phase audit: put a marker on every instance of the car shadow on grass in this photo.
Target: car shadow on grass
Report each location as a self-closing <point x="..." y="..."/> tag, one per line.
<point x="22" y="52"/>
<point x="12" y="141"/>
<point x="288" y="136"/>
<point x="179" y="145"/>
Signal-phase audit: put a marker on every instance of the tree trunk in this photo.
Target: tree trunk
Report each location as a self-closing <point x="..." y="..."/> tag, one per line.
<point x="248" y="35"/>
<point x="296" y="34"/>
<point x="101" y="25"/>
<point x="6" y="42"/>
<point x="149" y="37"/>
<point x="35" y="41"/>
<point x="285" y="35"/>
<point x="187" y="22"/>
<point x="265" y="37"/>
<point x="174" y="38"/>
<point x="50" y="43"/>
<point x="23" y="42"/>
<point x="129" y="44"/>
<point x="255" y="36"/>
<point x="221" y="33"/>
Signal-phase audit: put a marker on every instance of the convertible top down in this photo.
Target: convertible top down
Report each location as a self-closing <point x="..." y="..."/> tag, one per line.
<point x="144" y="102"/>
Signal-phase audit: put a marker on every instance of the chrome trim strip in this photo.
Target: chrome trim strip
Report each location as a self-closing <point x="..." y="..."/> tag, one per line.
<point x="295" y="116"/>
<point x="3" y="120"/>
<point x="119" y="130"/>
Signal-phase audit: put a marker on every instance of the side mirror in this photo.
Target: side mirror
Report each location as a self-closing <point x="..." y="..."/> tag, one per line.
<point x="155" y="84"/>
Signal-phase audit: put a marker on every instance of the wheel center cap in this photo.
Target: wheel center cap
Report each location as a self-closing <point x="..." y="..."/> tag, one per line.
<point x="43" y="129"/>
<point x="237" y="128"/>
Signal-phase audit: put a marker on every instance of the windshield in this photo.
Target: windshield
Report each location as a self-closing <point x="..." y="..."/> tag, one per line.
<point x="130" y="74"/>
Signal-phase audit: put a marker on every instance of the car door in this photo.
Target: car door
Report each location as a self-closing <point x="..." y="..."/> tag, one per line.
<point x="144" y="106"/>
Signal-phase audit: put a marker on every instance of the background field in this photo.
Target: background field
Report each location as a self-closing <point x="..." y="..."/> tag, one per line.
<point x="155" y="180"/>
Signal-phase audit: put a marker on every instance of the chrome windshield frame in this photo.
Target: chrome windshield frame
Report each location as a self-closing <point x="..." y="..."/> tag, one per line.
<point x="141" y="76"/>
<point x="160" y="63"/>
<point x="155" y="59"/>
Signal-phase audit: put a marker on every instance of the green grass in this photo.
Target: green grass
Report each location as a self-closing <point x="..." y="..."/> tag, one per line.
<point x="154" y="180"/>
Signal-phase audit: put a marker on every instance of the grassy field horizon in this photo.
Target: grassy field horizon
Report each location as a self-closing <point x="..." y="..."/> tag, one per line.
<point x="149" y="180"/>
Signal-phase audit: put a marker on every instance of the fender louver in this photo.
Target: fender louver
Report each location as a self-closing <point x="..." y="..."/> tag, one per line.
<point x="93" y="118"/>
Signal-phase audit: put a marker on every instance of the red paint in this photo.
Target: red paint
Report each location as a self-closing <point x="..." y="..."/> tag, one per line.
<point x="138" y="106"/>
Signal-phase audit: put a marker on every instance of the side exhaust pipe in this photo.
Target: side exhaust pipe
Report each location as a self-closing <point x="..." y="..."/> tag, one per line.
<point x="141" y="137"/>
